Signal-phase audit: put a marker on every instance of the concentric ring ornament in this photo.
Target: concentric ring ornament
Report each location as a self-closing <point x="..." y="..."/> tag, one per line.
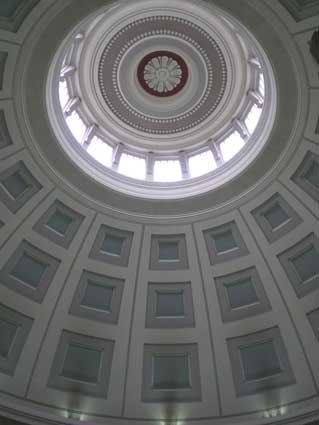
<point x="184" y="39"/>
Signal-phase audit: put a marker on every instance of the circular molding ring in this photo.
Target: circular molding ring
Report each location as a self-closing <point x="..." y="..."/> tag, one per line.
<point x="174" y="33"/>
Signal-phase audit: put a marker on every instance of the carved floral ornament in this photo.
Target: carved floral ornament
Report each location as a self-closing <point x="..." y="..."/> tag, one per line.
<point x="162" y="73"/>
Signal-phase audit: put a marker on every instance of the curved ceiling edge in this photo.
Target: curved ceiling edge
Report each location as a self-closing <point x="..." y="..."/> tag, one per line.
<point x="31" y="415"/>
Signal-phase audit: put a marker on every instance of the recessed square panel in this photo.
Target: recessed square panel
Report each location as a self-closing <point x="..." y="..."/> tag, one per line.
<point x="8" y="7"/>
<point x="98" y="297"/>
<point x="82" y="364"/>
<point x="301" y="264"/>
<point x="171" y="373"/>
<point x="3" y="61"/>
<point x="301" y="9"/>
<point x="14" y="12"/>
<point x="312" y="175"/>
<point x="276" y="217"/>
<point x="259" y="362"/>
<point x="5" y="139"/>
<point x="14" y="331"/>
<point x="29" y="271"/>
<point x="8" y="332"/>
<point x="168" y="252"/>
<point x="169" y="305"/>
<point x="307" y="263"/>
<point x="17" y="186"/>
<point x="112" y="246"/>
<point x="313" y="317"/>
<point x="307" y="175"/>
<point x="59" y="224"/>
<point x="224" y="243"/>
<point x="241" y="295"/>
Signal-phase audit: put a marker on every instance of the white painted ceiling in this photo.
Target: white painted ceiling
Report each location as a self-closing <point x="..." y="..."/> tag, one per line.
<point x="214" y="313"/>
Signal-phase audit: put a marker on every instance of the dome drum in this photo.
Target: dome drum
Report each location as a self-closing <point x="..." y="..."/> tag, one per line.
<point x="198" y="134"/>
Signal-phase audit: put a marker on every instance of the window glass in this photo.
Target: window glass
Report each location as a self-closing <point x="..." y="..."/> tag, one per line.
<point x="132" y="166"/>
<point x="252" y="118"/>
<point x="167" y="171"/>
<point x="101" y="151"/>
<point x="261" y="86"/>
<point x="232" y="145"/>
<point x="63" y="93"/>
<point x="201" y="164"/>
<point x="76" y="125"/>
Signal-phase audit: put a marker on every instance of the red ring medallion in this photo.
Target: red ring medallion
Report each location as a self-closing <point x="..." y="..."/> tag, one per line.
<point x="162" y="73"/>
